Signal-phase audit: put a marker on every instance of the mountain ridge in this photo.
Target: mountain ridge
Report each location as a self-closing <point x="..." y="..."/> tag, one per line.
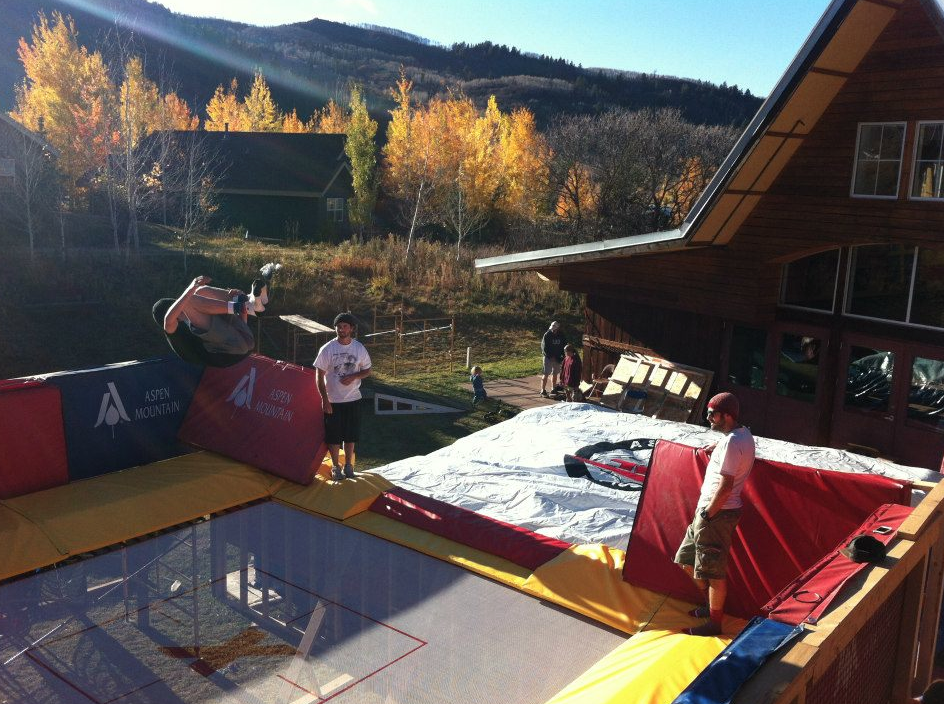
<point x="307" y="63"/>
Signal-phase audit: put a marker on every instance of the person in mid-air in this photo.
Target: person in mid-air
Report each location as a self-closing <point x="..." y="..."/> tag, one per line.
<point x="209" y="326"/>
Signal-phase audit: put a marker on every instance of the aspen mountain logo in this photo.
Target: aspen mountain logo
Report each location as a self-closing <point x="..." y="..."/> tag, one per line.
<point x="112" y="411"/>
<point x="241" y="396"/>
<point x="273" y="405"/>
<point x="155" y="403"/>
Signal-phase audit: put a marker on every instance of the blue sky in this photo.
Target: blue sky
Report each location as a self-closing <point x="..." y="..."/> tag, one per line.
<point x="744" y="42"/>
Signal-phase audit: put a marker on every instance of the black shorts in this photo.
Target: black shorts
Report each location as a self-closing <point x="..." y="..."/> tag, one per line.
<point x="343" y="424"/>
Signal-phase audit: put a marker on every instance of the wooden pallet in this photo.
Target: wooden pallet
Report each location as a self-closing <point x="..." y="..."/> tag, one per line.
<point x="658" y="388"/>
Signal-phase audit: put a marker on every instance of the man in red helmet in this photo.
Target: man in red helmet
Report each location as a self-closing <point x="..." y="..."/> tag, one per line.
<point x="703" y="553"/>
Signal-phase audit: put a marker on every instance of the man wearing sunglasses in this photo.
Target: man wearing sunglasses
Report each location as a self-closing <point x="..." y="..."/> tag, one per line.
<point x="703" y="553"/>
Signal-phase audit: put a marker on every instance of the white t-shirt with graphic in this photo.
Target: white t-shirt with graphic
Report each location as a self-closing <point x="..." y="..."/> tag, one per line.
<point x="733" y="457"/>
<point x="337" y="361"/>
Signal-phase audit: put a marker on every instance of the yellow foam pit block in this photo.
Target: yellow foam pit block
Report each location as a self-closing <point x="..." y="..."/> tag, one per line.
<point x="108" y="509"/>
<point x="339" y="500"/>
<point x="23" y="545"/>
<point x="652" y="667"/>
<point x="588" y="579"/>
<point x="483" y="563"/>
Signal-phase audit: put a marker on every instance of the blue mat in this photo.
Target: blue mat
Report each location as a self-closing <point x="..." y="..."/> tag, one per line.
<point x="720" y="681"/>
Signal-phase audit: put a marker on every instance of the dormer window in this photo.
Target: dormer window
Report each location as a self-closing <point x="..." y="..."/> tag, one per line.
<point x="879" y="149"/>
<point x="929" y="161"/>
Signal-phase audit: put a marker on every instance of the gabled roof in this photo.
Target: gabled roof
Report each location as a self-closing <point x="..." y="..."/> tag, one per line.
<point x="842" y="37"/>
<point x="277" y="163"/>
<point x="34" y="136"/>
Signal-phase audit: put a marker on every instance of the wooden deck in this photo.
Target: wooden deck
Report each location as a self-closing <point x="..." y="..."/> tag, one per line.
<point x="522" y="393"/>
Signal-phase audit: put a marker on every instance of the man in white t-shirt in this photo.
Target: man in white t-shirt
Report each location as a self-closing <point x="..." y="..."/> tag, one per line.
<point x="703" y="553"/>
<point x="339" y="368"/>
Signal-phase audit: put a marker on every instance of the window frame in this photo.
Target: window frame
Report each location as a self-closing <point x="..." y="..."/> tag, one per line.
<point x="783" y="284"/>
<point x="847" y="297"/>
<point x="335" y="214"/>
<point x="914" y="163"/>
<point x="901" y="156"/>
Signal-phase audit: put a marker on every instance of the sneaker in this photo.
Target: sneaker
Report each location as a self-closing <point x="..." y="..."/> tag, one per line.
<point x="348" y="471"/>
<point x="241" y="303"/>
<point x="712" y="628"/>
<point x="259" y="298"/>
<point x="700" y="612"/>
<point x="336" y="473"/>
<point x="544" y="393"/>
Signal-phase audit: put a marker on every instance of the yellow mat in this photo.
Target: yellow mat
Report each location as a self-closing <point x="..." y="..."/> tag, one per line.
<point x="588" y="579"/>
<point x="652" y="667"/>
<point x="483" y="563"/>
<point x="338" y="500"/>
<point x="108" y="509"/>
<point x="23" y="545"/>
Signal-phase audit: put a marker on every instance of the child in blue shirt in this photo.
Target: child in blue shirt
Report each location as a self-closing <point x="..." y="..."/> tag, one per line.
<point x="478" y="385"/>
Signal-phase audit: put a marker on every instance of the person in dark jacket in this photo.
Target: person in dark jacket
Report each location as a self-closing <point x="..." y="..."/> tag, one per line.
<point x="552" y="348"/>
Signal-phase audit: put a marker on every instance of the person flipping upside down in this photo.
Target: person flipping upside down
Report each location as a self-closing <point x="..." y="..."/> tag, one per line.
<point x="209" y="326"/>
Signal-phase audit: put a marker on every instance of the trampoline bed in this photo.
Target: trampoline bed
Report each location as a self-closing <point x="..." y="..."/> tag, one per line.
<point x="267" y="603"/>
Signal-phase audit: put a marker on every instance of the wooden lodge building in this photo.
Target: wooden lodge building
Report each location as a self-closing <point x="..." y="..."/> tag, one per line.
<point x="810" y="273"/>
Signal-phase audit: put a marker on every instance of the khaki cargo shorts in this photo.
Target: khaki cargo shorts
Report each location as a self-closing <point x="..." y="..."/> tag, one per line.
<point x="707" y="543"/>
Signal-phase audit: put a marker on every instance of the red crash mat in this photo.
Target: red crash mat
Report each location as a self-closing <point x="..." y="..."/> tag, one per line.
<point x="33" y="454"/>
<point x="792" y="516"/>
<point x="262" y="412"/>
<point x="514" y="543"/>
<point x="807" y="597"/>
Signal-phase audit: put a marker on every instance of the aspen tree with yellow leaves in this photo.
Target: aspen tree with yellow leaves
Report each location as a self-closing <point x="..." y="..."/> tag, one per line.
<point x="67" y="95"/>
<point x="225" y="112"/>
<point x="260" y="110"/>
<point x="444" y="161"/>
<point x="330" y="120"/>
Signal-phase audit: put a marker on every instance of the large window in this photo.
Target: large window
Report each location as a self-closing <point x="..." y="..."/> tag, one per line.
<point x="878" y="159"/>
<point x="880" y="283"/>
<point x="335" y="209"/>
<point x="811" y="282"/>
<point x="897" y="283"/>
<point x="929" y="161"/>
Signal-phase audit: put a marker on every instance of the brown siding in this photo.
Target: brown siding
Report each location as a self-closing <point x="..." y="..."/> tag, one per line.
<point x="808" y="207"/>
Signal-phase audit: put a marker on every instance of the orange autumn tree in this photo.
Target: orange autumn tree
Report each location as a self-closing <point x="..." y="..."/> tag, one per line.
<point x="67" y="94"/>
<point x="292" y="124"/>
<point x="176" y="114"/>
<point x="445" y="162"/>
<point x="332" y="119"/>
<point x="225" y="111"/>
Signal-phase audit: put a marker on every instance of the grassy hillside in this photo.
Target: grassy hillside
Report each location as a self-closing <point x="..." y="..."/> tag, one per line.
<point x="92" y="306"/>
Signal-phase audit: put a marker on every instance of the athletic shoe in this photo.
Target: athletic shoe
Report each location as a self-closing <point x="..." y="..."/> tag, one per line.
<point x="240" y="303"/>
<point x="544" y="393"/>
<point x="336" y="473"/>
<point x="259" y="297"/>
<point x="700" y="612"/>
<point x="348" y="471"/>
<point x="712" y="628"/>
